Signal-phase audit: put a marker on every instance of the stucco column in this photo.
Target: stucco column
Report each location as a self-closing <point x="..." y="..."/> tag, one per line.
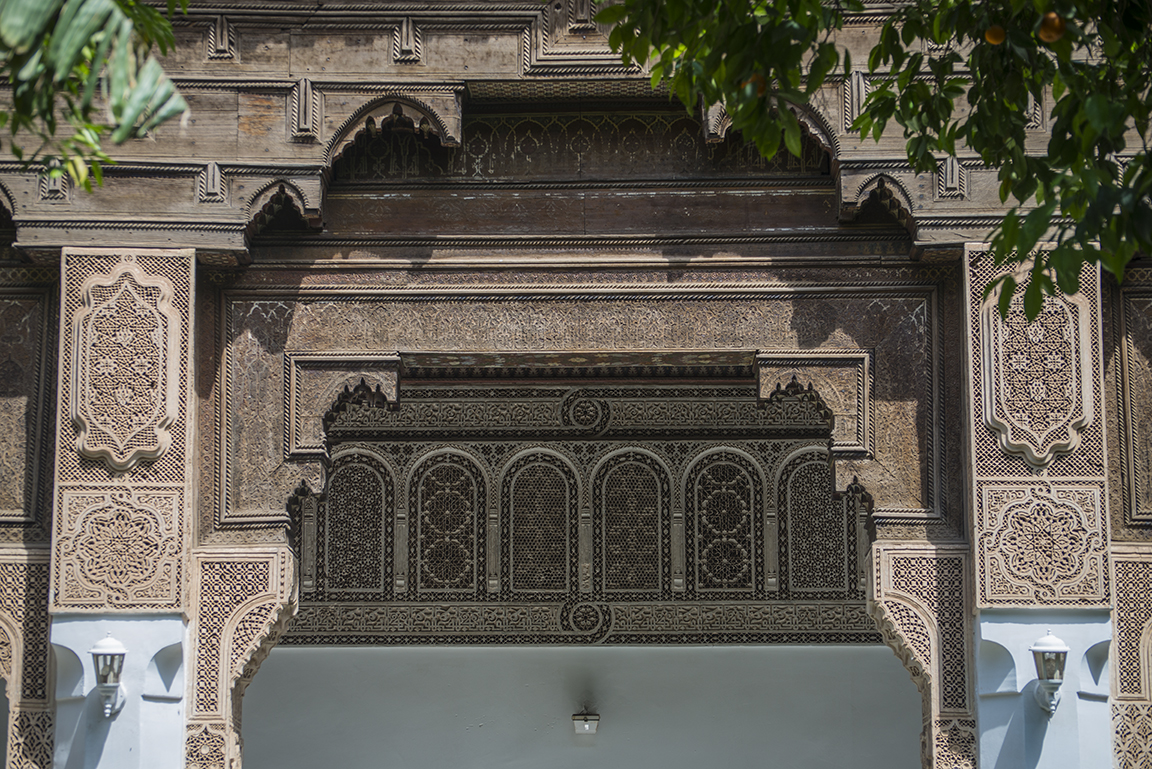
<point x="122" y="497"/>
<point x="1039" y="515"/>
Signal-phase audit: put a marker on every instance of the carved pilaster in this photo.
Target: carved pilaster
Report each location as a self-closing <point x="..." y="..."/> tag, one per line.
<point x="921" y="598"/>
<point x="1037" y="448"/>
<point x="243" y="602"/>
<point x="1132" y="641"/>
<point x="24" y="658"/>
<point x="123" y="459"/>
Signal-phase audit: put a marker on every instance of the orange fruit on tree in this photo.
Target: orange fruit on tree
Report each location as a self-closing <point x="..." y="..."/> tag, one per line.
<point x="995" y="34"/>
<point x="1051" y="27"/>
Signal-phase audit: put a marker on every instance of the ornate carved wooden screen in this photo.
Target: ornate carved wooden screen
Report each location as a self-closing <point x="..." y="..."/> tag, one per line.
<point x="541" y="512"/>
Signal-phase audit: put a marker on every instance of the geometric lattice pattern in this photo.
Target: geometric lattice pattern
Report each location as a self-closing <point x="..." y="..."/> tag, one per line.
<point x="543" y="510"/>
<point x="630" y="502"/>
<point x="919" y="596"/>
<point x="725" y="511"/>
<point x="1133" y="616"/>
<point x="1132" y="727"/>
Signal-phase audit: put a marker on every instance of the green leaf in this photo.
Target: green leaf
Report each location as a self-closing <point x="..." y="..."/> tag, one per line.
<point x="22" y="22"/>
<point x="613" y="14"/>
<point x="1033" y="299"/>
<point x="1036" y="223"/>
<point x="1007" y="291"/>
<point x="791" y="131"/>
<point x="84" y="19"/>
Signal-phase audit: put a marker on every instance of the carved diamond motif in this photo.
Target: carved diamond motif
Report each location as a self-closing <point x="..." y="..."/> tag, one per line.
<point x="1038" y="377"/>
<point x="123" y="395"/>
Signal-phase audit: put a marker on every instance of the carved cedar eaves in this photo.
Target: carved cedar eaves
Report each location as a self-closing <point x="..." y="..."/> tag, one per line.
<point x="435" y="112"/>
<point x="889" y="195"/>
<point x="273" y="200"/>
<point x="717" y="122"/>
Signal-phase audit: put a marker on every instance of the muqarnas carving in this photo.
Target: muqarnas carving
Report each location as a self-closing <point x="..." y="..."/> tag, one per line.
<point x="1042" y="544"/>
<point x="119" y="549"/>
<point x="124" y="393"/>
<point x="1038" y="377"/>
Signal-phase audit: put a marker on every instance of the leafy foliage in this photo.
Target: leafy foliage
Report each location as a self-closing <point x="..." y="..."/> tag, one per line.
<point x="953" y="74"/>
<point x="72" y="62"/>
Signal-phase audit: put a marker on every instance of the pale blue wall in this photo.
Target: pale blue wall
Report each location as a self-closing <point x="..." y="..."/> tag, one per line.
<point x="1014" y="732"/>
<point x="149" y="732"/>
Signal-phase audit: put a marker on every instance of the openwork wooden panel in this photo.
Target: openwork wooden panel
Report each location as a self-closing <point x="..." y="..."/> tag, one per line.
<point x="447" y="496"/>
<point x="540" y="503"/>
<point x="556" y="514"/>
<point x="575" y="145"/>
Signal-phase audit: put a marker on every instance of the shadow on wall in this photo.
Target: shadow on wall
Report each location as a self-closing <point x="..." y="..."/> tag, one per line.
<point x="147" y="732"/>
<point x="71" y="713"/>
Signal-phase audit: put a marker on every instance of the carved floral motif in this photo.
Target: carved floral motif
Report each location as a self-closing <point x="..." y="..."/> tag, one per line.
<point x="119" y="549"/>
<point x="1042" y="544"/>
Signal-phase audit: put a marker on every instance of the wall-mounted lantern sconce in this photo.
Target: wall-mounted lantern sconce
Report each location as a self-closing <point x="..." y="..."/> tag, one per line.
<point x="1050" y="654"/>
<point x="108" y="658"/>
<point x="585" y="723"/>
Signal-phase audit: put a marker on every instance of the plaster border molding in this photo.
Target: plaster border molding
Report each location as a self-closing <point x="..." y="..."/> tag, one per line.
<point x="32" y="521"/>
<point x="348" y="367"/>
<point x="1138" y="480"/>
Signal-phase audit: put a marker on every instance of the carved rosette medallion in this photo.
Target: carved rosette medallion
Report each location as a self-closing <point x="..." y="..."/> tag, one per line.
<point x="124" y="391"/>
<point x="1038" y="388"/>
<point x="1042" y="545"/>
<point x="119" y="549"/>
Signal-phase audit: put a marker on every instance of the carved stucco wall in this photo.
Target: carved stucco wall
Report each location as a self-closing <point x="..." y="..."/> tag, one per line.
<point x="124" y="473"/>
<point x="285" y="343"/>
<point x="897" y="316"/>
<point x="1041" y="482"/>
<point x="1040" y="518"/>
<point x="27" y="372"/>
<point x="123" y="464"/>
